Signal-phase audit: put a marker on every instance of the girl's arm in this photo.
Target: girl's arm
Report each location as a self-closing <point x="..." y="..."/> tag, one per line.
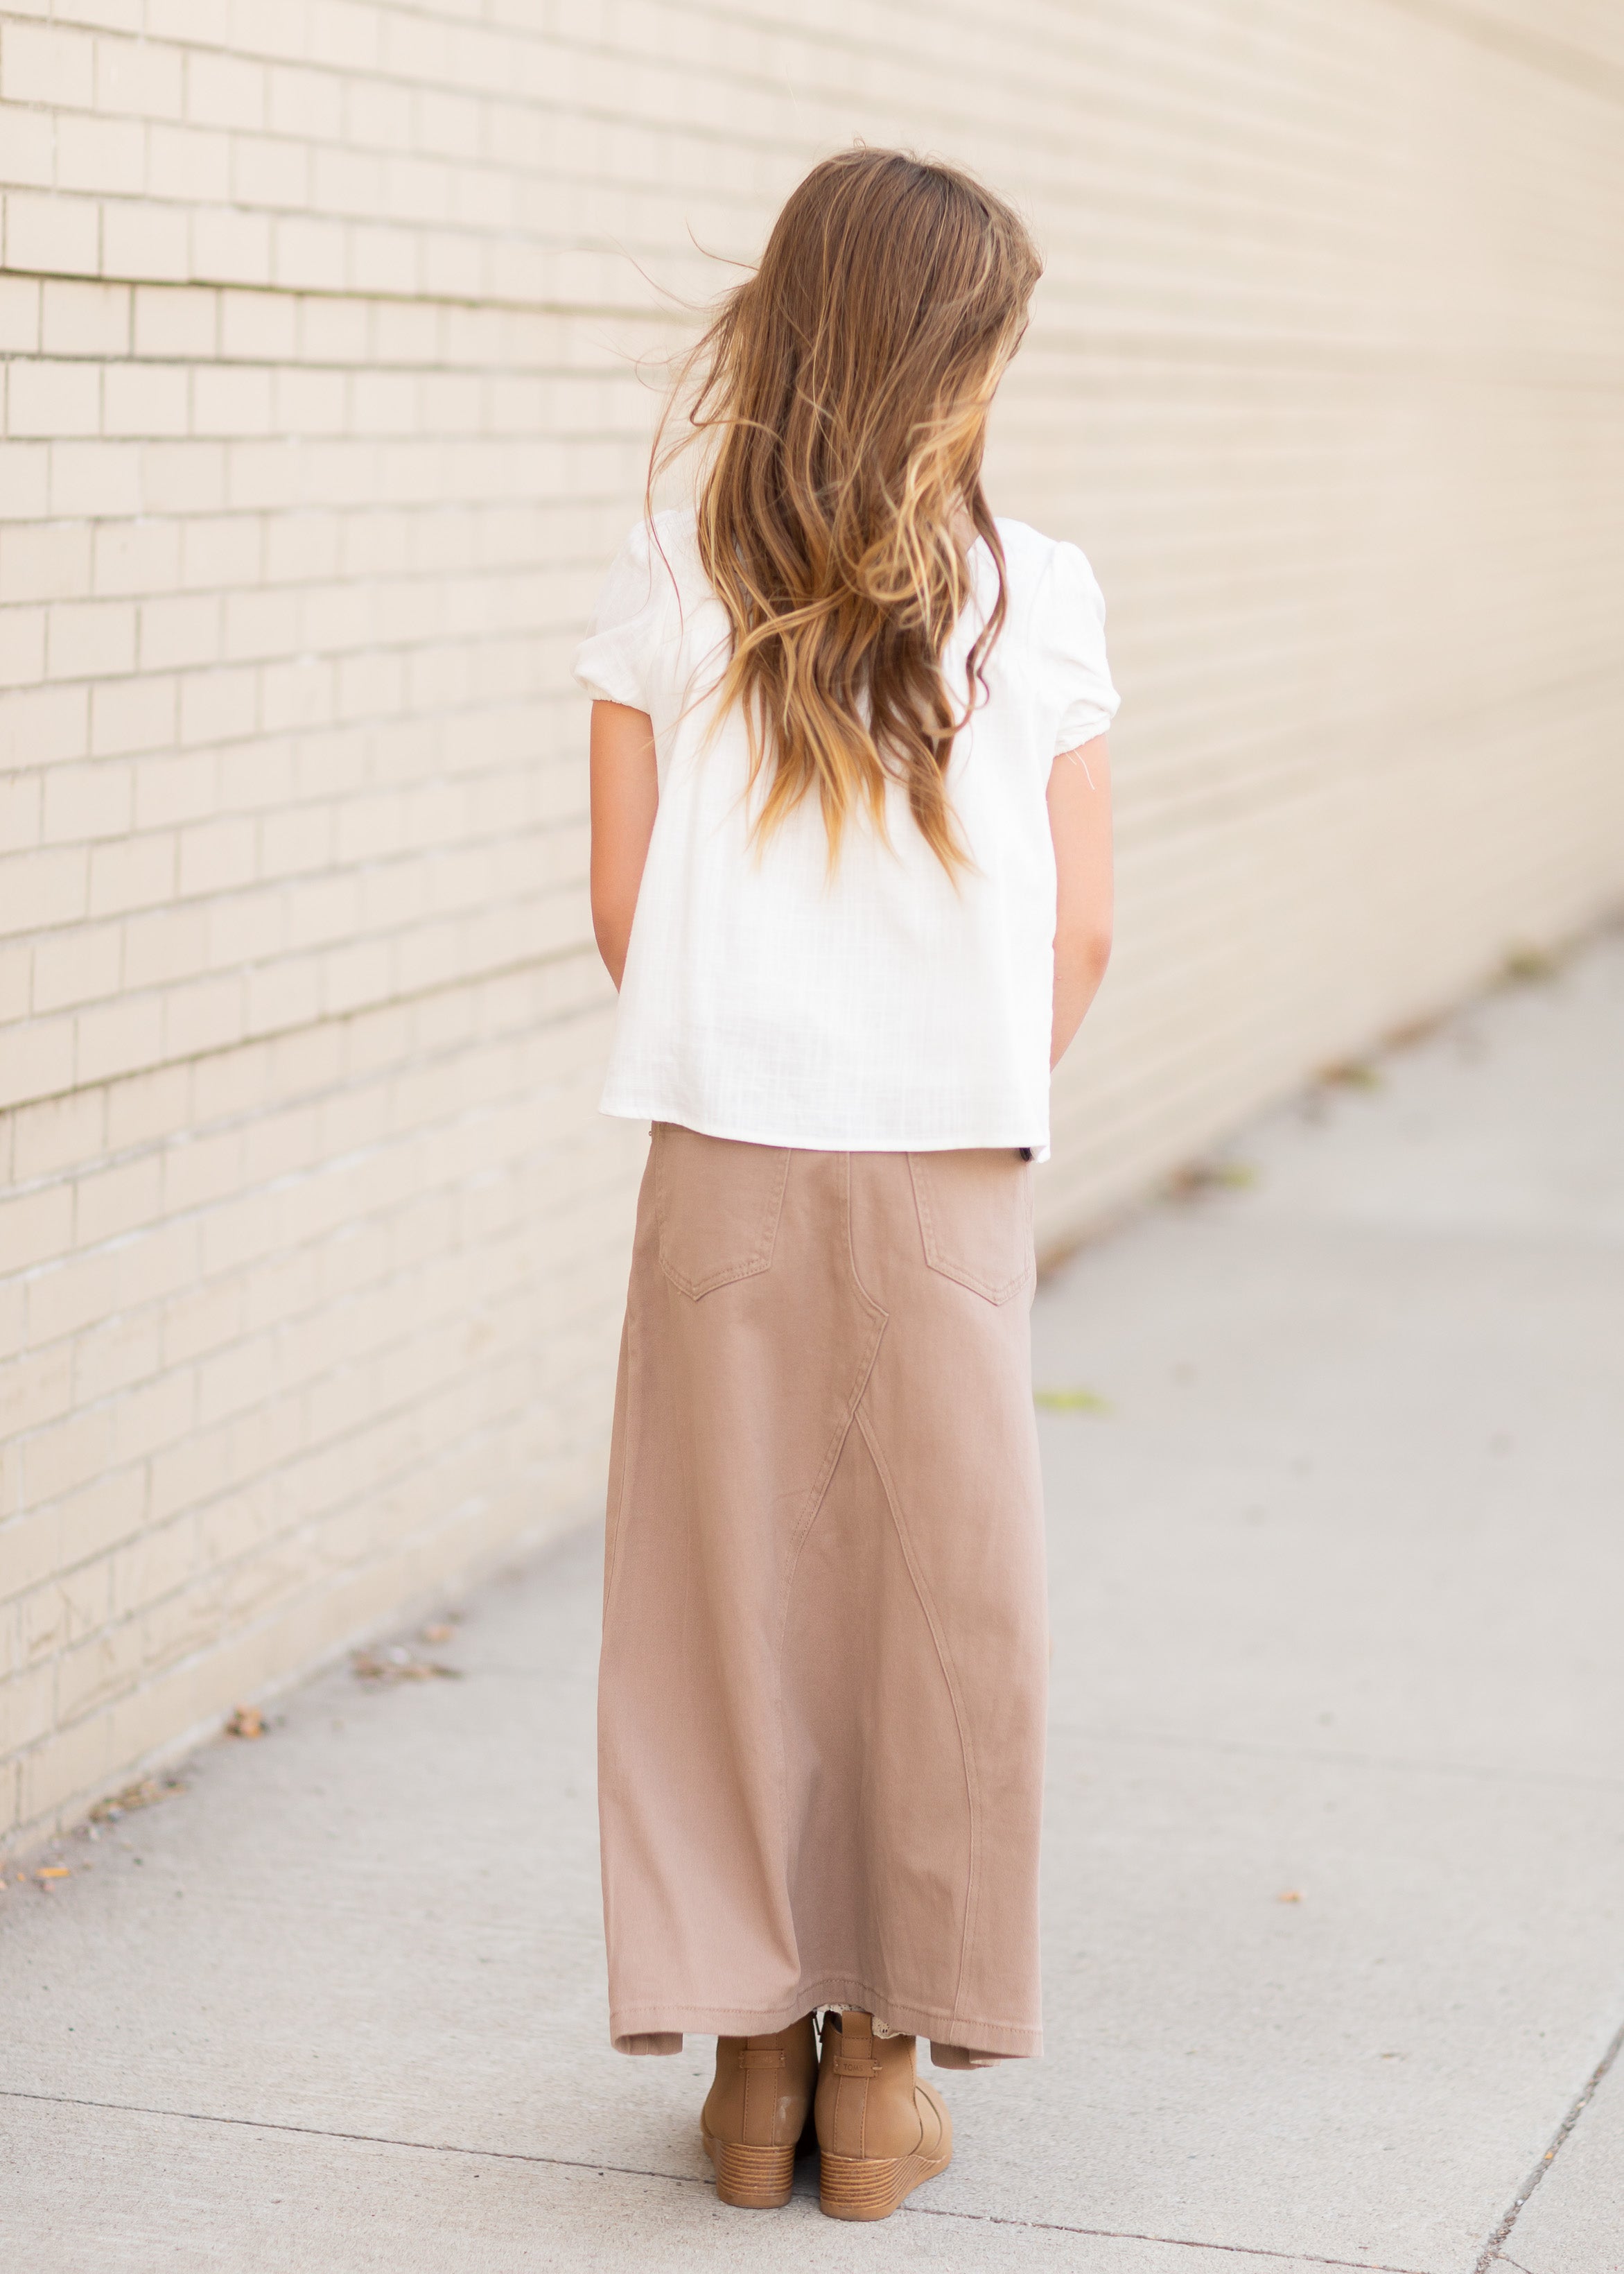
<point x="1079" y="822"/>
<point x="625" y="798"/>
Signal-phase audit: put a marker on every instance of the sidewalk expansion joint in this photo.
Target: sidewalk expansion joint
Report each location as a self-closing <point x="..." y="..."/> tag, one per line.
<point x="680" y="2179"/>
<point x="1491" y="2249"/>
<point x="1172" y="2241"/>
<point x="361" y="2139"/>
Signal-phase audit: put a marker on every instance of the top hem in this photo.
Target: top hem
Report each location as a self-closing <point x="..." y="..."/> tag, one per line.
<point x="970" y="1141"/>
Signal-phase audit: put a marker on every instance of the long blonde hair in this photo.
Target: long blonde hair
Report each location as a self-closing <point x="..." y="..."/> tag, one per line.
<point x="844" y="388"/>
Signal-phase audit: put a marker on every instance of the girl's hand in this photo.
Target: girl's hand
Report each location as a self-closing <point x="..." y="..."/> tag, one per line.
<point x="1079" y="822"/>
<point x="625" y="800"/>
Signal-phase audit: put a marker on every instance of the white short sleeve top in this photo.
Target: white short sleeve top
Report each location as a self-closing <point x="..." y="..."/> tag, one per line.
<point x="887" y="1008"/>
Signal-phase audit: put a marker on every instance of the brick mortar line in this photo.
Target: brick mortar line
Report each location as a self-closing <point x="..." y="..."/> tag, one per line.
<point x="551" y="693"/>
<point x="335" y="801"/>
<point x="507" y="1296"/>
<point x="240" y="974"/>
<point x="1091" y="342"/>
<point x="675" y="2178"/>
<point x="1491" y="2248"/>
<point x="238" y="1626"/>
<point x="510" y="1167"/>
<point x="1097" y="344"/>
<point x="514" y="1166"/>
<point x="492" y="1427"/>
<point x="385" y="579"/>
<point x="442" y="1054"/>
<point x="518" y="1543"/>
<point x="249" y="968"/>
<point x="438" y="1520"/>
<point x="1399" y="363"/>
<point x="164" y="1141"/>
<point x="807" y="31"/>
<point x="1537" y="50"/>
<point x="389" y="582"/>
<point x="1557" y="58"/>
<point x="491" y="1424"/>
<point x="944" y="108"/>
<point x="482" y="304"/>
<point x="810" y="35"/>
<point x="360" y="1077"/>
<point x="546" y="959"/>
<point x="1452" y="19"/>
<point x="1592" y="74"/>
<point x="508" y="1293"/>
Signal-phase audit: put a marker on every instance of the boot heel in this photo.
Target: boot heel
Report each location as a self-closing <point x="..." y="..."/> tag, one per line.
<point x="751" y="2179"/>
<point x="864" y="2186"/>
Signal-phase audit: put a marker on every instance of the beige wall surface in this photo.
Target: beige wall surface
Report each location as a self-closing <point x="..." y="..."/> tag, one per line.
<point x="321" y="417"/>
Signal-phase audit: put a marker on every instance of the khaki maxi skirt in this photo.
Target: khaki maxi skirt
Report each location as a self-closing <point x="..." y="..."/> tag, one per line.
<point x="825" y="1639"/>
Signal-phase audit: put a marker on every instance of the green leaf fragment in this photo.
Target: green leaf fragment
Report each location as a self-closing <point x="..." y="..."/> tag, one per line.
<point x="1071" y="1401"/>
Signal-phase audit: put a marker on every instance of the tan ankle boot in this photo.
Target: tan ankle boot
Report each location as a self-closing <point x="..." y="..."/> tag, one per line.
<point x="881" y="2132"/>
<point x="756" y="2110"/>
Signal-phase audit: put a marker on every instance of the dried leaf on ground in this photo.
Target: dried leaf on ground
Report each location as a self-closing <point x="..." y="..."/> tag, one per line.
<point x="1413" y="1031"/>
<point x="247" y="1722"/>
<point x="1530" y="967"/>
<point x="1211" y="1176"/>
<point x="1291" y="1895"/>
<point x="1351" y="1074"/>
<point x="144" y="1795"/>
<point x="398" y="1665"/>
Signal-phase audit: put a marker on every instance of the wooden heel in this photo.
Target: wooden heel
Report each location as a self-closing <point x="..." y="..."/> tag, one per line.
<point x="871" y="2186"/>
<point x="751" y="2179"/>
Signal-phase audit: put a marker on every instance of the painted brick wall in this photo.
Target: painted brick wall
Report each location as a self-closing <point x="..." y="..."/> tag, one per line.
<point x="322" y="413"/>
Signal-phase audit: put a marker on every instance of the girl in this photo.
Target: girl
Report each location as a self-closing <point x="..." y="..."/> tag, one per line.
<point x="851" y="875"/>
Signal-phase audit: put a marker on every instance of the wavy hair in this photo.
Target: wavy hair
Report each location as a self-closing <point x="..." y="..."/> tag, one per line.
<point x="843" y="391"/>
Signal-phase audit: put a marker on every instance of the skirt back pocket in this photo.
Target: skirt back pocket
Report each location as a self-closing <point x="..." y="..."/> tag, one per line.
<point x="718" y="1204"/>
<point x="974" y="1211"/>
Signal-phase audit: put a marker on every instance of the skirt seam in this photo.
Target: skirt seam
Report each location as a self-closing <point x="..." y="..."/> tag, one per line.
<point x="949" y="1675"/>
<point x="818" y="1495"/>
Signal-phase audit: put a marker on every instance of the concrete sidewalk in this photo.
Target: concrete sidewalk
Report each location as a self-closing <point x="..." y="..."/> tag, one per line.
<point x="1336" y="1861"/>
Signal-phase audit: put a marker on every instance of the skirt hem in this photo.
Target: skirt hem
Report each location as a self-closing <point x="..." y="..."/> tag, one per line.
<point x="630" y="2027"/>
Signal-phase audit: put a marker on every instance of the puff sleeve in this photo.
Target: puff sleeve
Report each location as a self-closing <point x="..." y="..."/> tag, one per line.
<point x="1082" y="697"/>
<point x="616" y="661"/>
